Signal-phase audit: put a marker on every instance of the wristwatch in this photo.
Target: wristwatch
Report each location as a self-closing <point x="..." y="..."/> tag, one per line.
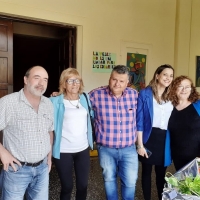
<point x="139" y="146"/>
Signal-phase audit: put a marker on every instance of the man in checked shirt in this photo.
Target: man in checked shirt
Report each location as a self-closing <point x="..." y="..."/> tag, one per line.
<point x="26" y="118"/>
<point x="115" y="127"/>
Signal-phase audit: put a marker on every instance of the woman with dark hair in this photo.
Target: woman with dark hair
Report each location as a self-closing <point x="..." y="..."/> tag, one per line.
<point x="184" y="123"/>
<point x="153" y="112"/>
<point x="73" y="134"/>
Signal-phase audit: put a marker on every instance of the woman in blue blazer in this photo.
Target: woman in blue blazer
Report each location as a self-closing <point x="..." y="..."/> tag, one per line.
<point x="153" y="112"/>
<point x="73" y="135"/>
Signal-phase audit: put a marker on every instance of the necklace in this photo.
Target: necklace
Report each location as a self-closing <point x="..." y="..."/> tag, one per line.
<point x="77" y="106"/>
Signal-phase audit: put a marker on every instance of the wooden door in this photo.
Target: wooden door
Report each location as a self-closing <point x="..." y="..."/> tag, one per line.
<point x="67" y="50"/>
<point x="6" y="57"/>
<point x="6" y="60"/>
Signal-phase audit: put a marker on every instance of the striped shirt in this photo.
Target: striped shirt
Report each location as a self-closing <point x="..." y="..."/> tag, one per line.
<point x="114" y="118"/>
<point x="26" y="133"/>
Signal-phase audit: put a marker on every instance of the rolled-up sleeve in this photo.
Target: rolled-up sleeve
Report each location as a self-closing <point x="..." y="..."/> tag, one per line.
<point x="4" y="115"/>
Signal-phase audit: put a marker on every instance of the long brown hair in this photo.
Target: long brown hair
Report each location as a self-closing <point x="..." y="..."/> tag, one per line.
<point x="194" y="95"/>
<point x="153" y="84"/>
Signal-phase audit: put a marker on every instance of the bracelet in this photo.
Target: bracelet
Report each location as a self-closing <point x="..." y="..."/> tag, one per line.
<point x="139" y="146"/>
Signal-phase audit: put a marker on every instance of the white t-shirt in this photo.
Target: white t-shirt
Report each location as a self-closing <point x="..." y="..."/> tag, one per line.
<point x="74" y="131"/>
<point x="161" y="114"/>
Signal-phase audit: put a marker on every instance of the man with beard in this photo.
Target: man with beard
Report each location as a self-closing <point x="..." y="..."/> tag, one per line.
<point x="26" y="118"/>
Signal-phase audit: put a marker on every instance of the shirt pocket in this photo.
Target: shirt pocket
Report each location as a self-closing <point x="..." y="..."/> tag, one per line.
<point x="130" y="114"/>
<point x="48" y="122"/>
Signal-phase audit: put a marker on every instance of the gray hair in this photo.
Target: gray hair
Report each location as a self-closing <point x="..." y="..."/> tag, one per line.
<point x="121" y="69"/>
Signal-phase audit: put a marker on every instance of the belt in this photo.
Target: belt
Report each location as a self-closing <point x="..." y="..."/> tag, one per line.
<point x="31" y="164"/>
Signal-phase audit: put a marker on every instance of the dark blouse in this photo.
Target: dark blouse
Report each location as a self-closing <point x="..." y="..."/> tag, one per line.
<point x="184" y="127"/>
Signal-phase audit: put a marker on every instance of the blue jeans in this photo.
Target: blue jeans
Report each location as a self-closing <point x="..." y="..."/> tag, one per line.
<point x="34" y="181"/>
<point x="122" y="162"/>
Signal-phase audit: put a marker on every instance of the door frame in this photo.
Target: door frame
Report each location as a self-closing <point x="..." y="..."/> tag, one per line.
<point x="79" y="33"/>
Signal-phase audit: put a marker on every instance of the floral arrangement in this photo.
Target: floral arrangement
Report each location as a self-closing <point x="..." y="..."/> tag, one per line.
<point x="184" y="184"/>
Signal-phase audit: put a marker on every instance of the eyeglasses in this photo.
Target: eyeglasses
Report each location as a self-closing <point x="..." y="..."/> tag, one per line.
<point x="72" y="81"/>
<point x="187" y="88"/>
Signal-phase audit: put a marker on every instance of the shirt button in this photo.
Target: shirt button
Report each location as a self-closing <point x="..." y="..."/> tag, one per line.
<point x="120" y="121"/>
<point x="120" y="131"/>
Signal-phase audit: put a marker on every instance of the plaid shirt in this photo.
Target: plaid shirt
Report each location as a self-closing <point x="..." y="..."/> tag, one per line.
<point x="114" y="118"/>
<point x="26" y="133"/>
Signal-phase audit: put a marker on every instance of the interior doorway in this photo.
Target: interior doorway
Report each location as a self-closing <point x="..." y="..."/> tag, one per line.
<point x="51" y="47"/>
<point x="25" y="43"/>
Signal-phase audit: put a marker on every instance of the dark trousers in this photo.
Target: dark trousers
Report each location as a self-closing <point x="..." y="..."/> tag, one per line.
<point x="146" y="180"/>
<point x="64" y="166"/>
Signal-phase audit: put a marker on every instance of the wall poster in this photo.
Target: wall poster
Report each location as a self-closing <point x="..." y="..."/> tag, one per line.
<point x="137" y="65"/>
<point x="103" y="62"/>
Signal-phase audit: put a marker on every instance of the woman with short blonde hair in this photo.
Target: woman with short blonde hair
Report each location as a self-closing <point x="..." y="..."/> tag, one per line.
<point x="73" y="134"/>
<point x="65" y="75"/>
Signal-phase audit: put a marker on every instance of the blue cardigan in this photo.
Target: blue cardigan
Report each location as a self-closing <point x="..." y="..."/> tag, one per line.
<point x="59" y="110"/>
<point x="145" y="120"/>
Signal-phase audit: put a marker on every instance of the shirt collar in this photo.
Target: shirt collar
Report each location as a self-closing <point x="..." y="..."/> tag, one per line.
<point x="23" y="97"/>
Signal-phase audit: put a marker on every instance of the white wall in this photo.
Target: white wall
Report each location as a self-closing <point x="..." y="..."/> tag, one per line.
<point x="187" y="38"/>
<point x="103" y="25"/>
<point x="182" y="39"/>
